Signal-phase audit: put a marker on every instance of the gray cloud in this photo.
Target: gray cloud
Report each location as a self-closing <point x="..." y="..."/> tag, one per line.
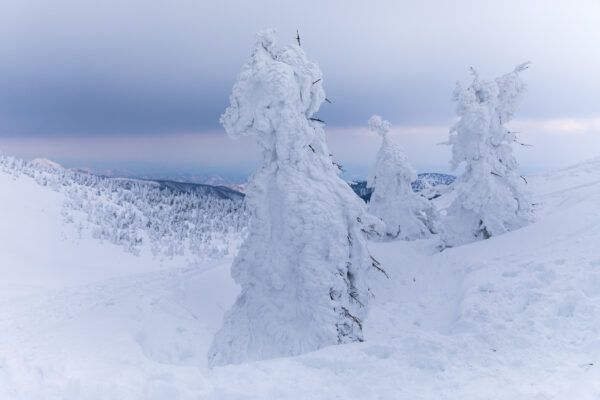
<point x="117" y="66"/>
<point x="137" y="68"/>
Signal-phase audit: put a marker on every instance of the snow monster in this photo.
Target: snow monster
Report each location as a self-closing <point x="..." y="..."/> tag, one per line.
<point x="303" y="267"/>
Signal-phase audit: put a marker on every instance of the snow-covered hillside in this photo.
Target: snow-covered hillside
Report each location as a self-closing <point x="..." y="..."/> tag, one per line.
<point x="513" y="317"/>
<point x="168" y="219"/>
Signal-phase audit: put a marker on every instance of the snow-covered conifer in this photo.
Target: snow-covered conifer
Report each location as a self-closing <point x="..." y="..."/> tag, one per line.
<point x="490" y="196"/>
<point x="304" y="264"/>
<point x="406" y="214"/>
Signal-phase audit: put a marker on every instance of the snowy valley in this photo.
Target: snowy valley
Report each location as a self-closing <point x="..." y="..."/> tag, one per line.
<point x="514" y="316"/>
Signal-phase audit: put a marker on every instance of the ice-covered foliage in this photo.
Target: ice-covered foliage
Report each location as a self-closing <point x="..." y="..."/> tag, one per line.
<point x="490" y="196"/>
<point x="303" y="267"/>
<point x="406" y="214"/>
<point x="136" y="213"/>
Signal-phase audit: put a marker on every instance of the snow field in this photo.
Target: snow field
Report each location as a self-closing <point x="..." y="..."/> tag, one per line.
<point x="513" y="317"/>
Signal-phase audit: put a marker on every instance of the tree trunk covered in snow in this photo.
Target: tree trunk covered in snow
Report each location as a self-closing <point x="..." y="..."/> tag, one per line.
<point x="304" y="265"/>
<point x="406" y="214"/>
<point x="490" y="195"/>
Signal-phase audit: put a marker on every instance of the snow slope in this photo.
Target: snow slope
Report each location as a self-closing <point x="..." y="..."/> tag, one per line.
<point x="513" y="317"/>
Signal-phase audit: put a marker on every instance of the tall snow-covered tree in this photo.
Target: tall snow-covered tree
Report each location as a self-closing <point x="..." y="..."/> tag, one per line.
<point x="406" y="214"/>
<point x="303" y="267"/>
<point x="491" y="197"/>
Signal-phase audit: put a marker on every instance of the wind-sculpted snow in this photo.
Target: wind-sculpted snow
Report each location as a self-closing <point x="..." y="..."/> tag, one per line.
<point x="406" y="215"/>
<point x="135" y="213"/>
<point x="490" y="196"/>
<point x="303" y="268"/>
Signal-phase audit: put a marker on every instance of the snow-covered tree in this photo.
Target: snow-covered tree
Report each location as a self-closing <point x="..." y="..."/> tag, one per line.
<point x="406" y="214"/>
<point x="490" y="196"/>
<point x="303" y="267"/>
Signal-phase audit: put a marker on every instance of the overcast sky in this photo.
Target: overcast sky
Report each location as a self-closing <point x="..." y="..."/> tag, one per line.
<point x="124" y="83"/>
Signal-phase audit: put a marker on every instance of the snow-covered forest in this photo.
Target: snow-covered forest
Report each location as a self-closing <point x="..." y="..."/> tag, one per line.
<point x="138" y="214"/>
<point x="407" y="286"/>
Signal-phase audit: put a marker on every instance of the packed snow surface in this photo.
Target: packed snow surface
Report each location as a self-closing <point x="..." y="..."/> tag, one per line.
<point x="516" y="316"/>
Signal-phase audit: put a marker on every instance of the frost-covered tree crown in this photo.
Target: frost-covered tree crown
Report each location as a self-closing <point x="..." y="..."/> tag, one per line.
<point x="379" y="125"/>
<point x="484" y="108"/>
<point x="279" y="87"/>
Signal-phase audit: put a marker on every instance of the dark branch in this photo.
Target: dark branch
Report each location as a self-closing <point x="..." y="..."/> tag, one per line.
<point x="298" y="37"/>
<point x="377" y="267"/>
<point x="317" y="81"/>
<point x="355" y="297"/>
<point x="347" y="314"/>
<point x="317" y="119"/>
<point x="523" y="144"/>
<point x="522" y="177"/>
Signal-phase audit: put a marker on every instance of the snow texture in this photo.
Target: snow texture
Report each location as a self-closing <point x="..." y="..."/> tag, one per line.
<point x="490" y="196"/>
<point x="513" y="317"/>
<point x="303" y="267"/>
<point x="406" y="214"/>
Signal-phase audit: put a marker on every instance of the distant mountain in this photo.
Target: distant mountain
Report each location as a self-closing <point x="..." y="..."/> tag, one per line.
<point x="45" y="163"/>
<point x="428" y="180"/>
<point x="424" y="181"/>
<point x="199" y="184"/>
<point x="361" y="189"/>
<point x="228" y="188"/>
<point x="200" y="189"/>
<point x="235" y="182"/>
